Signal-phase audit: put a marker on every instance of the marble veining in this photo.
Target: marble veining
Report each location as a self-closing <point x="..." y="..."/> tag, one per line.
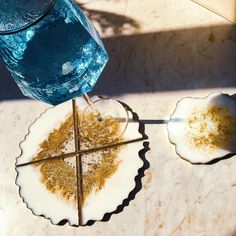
<point x="160" y="52"/>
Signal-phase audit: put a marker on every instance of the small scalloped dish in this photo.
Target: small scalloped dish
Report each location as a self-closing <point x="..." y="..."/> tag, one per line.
<point x="204" y="129"/>
<point x="49" y="188"/>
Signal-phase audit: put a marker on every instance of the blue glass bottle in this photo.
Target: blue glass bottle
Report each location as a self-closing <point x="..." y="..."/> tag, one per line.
<point x="51" y="49"/>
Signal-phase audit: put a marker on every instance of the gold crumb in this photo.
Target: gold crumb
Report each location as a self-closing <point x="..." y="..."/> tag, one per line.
<point x="211" y="128"/>
<point x="101" y="132"/>
<point x="60" y="177"/>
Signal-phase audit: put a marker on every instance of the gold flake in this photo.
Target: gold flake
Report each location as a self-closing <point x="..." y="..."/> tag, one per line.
<point x="211" y="128"/>
<point x="60" y="177"/>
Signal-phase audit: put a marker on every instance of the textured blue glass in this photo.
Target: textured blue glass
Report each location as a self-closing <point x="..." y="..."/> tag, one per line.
<point x="59" y="57"/>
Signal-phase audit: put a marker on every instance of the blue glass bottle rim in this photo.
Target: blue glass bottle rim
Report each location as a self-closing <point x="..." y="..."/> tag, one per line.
<point x="7" y="32"/>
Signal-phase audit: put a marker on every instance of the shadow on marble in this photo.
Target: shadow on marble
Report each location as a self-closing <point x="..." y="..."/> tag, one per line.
<point x="114" y="23"/>
<point x="196" y="58"/>
<point x="8" y="88"/>
<point x="233" y="233"/>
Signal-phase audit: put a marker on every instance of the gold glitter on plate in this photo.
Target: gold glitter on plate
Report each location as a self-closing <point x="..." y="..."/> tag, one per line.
<point x="59" y="176"/>
<point x="204" y="129"/>
<point x="51" y="162"/>
<point x="212" y="128"/>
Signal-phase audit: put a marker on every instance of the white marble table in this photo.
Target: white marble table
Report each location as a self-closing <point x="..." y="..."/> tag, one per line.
<point x="160" y="52"/>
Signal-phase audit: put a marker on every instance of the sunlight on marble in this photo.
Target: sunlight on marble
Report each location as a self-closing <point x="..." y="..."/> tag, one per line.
<point x="134" y="17"/>
<point x="160" y="51"/>
<point x="3" y="223"/>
